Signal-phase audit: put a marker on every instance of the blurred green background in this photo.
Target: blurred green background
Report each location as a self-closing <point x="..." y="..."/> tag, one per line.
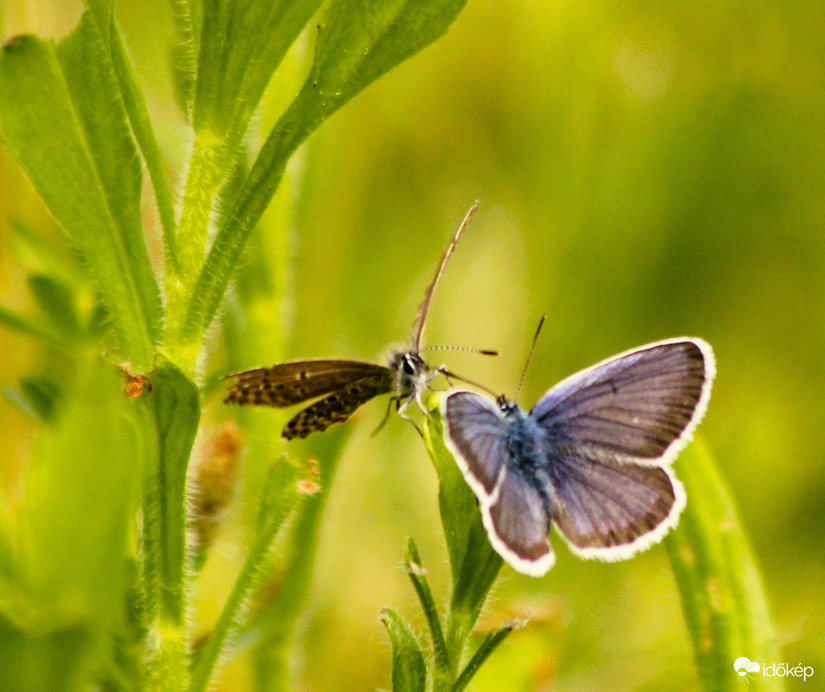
<point x="645" y="170"/>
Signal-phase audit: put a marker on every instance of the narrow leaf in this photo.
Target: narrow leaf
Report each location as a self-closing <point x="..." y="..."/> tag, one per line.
<point x="97" y="101"/>
<point x="176" y="408"/>
<point x="418" y="577"/>
<point x="135" y="105"/>
<point x="63" y="120"/>
<point x="358" y="42"/>
<point x="491" y="642"/>
<point x="409" y="670"/>
<point x="722" y="594"/>
<point x="188" y="21"/>
<point x="474" y="563"/>
<point x="271" y="628"/>
<point x="57" y="302"/>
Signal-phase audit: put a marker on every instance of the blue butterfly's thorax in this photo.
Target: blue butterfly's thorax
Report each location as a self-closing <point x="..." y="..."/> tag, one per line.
<point x="526" y="447"/>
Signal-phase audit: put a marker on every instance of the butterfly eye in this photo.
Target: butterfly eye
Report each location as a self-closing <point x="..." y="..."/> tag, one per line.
<point x="409" y="365"/>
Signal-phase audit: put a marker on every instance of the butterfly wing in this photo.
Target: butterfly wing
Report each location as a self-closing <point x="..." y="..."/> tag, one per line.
<point x="608" y="433"/>
<point x="294" y="382"/>
<point x="338" y="406"/>
<point x="475" y="435"/>
<point x="609" y="510"/>
<point x="640" y="406"/>
<point x="517" y="524"/>
<point x="513" y="509"/>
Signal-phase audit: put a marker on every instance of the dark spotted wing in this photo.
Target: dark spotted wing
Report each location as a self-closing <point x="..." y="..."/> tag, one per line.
<point x="294" y="382"/>
<point x="339" y="406"/>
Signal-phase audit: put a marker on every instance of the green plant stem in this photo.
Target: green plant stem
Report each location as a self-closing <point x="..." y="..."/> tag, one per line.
<point x="227" y="623"/>
<point x="166" y="641"/>
<point x="207" y="169"/>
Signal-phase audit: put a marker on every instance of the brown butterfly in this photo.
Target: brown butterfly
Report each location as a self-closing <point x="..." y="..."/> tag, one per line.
<point x="345" y="384"/>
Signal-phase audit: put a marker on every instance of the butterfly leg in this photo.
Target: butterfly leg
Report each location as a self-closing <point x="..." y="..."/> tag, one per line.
<point x="386" y="417"/>
<point x="418" y="394"/>
<point x="401" y="407"/>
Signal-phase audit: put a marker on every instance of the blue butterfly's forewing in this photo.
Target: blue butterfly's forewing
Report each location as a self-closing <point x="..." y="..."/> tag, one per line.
<point x="639" y="406"/>
<point x="476" y="440"/>
<point x="590" y="457"/>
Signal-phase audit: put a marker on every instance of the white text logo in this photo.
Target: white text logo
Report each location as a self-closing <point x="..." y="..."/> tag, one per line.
<point x="749" y="670"/>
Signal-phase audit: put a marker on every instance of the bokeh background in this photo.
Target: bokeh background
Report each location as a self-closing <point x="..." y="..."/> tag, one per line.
<point x="645" y="170"/>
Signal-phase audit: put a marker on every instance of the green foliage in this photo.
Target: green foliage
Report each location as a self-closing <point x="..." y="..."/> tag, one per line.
<point x="63" y="119"/>
<point x="90" y="597"/>
<point x="358" y="42"/>
<point x="91" y="602"/>
<point x="474" y="566"/>
<point x="409" y="671"/>
<point x="722" y="594"/>
<point x="67" y="576"/>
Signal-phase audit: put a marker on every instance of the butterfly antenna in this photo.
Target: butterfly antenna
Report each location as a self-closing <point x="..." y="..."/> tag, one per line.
<point x="529" y="356"/>
<point x="467" y="349"/>
<point x="424" y="308"/>
<point x="451" y="375"/>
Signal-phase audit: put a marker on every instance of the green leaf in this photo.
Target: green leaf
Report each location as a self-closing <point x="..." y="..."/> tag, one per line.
<point x="43" y="394"/>
<point x="175" y="415"/>
<point x="491" y="642"/>
<point x="242" y="43"/>
<point x="417" y="575"/>
<point x="135" y="104"/>
<point x="57" y="300"/>
<point x="409" y="670"/>
<point x="63" y="120"/>
<point x="722" y="594"/>
<point x="188" y="18"/>
<point x="23" y="325"/>
<point x="359" y="40"/>
<point x="271" y="628"/>
<point x="176" y="410"/>
<point x="474" y="563"/>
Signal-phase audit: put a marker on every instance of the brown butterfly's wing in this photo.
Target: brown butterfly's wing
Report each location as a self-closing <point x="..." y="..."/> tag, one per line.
<point x="294" y="382"/>
<point x="339" y="406"/>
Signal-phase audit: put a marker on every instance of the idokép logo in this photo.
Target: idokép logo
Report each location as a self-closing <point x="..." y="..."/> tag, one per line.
<point x="750" y="670"/>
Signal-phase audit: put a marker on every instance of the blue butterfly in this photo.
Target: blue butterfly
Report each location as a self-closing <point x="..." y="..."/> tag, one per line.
<point x="592" y="457"/>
